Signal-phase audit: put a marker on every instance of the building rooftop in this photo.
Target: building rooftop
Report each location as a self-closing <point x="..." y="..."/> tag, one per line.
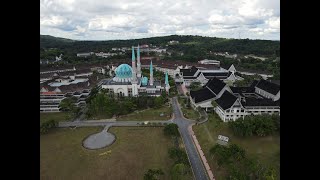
<point x="226" y="100"/>
<point x="258" y="102"/>
<point x="268" y="86"/>
<point x="189" y="72"/>
<point x="201" y="95"/>
<point x="214" y="74"/>
<point x="215" y="85"/>
<point x="242" y="89"/>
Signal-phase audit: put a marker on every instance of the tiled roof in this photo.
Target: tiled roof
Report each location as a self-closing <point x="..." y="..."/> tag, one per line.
<point x="191" y="77"/>
<point x="268" y="86"/>
<point x="189" y="72"/>
<point x="215" y="85"/>
<point x="214" y="74"/>
<point x="248" y="101"/>
<point x="242" y="89"/>
<point x="254" y="83"/>
<point x="201" y="95"/>
<point x="226" y="100"/>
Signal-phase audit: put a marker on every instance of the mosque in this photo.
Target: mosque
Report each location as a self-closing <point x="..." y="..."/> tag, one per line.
<point x="129" y="81"/>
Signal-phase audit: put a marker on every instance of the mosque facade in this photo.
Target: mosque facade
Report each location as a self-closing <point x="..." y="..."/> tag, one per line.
<point x="129" y="81"/>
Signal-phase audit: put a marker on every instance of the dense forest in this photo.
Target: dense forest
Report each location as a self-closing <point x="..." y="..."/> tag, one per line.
<point x="189" y="48"/>
<point x="189" y="45"/>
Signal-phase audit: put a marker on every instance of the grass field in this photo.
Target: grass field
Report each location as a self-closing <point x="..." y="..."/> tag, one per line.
<point x="58" y="116"/>
<point x="265" y="149"/>
<point x="135" y="150"/>
<point x="148" y="114"/>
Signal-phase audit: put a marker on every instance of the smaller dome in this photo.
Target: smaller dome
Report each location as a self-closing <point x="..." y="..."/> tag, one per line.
<point x="144" y="81"/>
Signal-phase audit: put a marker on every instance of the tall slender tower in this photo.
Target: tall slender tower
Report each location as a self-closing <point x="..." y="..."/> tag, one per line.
<point x="138" y="63"/>
<point x="151" y="74"/>
<point x="134" y="80"/>
<point x="167" y="83"/>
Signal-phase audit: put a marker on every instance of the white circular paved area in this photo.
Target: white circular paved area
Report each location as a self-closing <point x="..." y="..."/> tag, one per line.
<point x="99" y="140"/>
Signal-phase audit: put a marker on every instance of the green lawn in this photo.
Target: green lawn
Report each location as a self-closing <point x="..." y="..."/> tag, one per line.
<point x="135" y="150"/>
<point x="148" y="114"/>
<point x="58" y="116"/>
<point x="265" y="149"/>
<point x="188" y="113"/>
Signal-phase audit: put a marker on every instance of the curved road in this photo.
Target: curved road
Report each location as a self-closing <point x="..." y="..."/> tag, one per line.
<point x="183" y="124"/>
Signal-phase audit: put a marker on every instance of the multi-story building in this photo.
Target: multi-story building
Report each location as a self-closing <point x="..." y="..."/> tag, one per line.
<point x="262" y="97"/>
<point x="54" y="91"/>
<point x="195" y="74"/>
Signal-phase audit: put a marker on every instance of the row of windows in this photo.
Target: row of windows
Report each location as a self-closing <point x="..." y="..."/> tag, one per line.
<point x="261" y="111"/>
<point x="234" y="116"/>
<point x="242" y="110"/>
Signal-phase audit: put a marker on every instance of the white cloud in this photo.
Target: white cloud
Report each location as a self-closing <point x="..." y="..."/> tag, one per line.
<point x="125" y="19"/>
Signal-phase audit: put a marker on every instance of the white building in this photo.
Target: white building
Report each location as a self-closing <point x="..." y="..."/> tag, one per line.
<point x="187" y="76"/>
<point x="262" y="97"/>
<point x="173" y="42"/>
<point x="207" y="61"/>
<point x="85" y="54"/>
<point x="129" y="81"/>
<point x="54" y="91"/>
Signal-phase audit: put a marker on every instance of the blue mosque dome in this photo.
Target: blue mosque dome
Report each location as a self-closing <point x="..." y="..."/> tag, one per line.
<point x="123" y="71"/>
<point x="144" y="81"/>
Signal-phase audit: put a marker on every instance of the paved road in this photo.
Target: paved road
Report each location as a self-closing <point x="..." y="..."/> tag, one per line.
<point x="183" y="124"/>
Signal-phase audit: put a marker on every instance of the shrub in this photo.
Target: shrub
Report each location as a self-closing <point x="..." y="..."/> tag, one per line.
<point x="46" y="126"/>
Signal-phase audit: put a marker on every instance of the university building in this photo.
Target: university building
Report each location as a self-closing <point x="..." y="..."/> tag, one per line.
<point x="194" y="74"/>
<point x="261" y="97"/>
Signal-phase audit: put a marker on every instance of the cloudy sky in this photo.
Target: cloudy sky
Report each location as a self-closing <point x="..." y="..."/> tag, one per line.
<point x="128" y="19"/>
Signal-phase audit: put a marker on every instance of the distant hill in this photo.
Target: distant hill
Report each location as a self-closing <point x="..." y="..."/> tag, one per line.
<point x="189" y="45"/>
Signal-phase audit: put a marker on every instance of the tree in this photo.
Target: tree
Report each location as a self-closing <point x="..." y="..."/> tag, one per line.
<point x="171" y="130"/>
<point x="67" y="104"/>
<point x="46" y="126"/>
<point x="237" y="152"/>
<point x="158" y="102"/>
<point x="221" y="153"/>
<point x="179" y="155"/>
<point x="260" y="125"/>
<point x="270" y="174"/>
<point x="177" y="171"/>
<point x="153" y="174"/>
<point x="194" y="86"/>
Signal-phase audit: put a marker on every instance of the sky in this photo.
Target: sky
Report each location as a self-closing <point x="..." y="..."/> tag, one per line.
<point x="129" y="19"/>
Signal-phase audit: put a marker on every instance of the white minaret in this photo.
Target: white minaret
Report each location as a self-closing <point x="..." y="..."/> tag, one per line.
<point x="138" y="63"/>
<point x="151" y="74"/>
<point x="134" y="80"/>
